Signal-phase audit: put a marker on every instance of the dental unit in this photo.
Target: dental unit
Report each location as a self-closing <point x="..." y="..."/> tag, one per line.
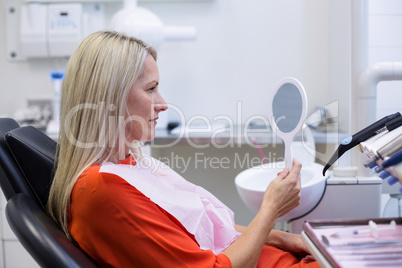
<point x="396" y="123"/>
<point x="366" y="99"/>
<point x="383" y="144"/>
<point x="386" y="150"/>
<point x="351" y="141"/>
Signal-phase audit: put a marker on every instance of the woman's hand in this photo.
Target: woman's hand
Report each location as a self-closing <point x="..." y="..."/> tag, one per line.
<point x="286" y="241"/>
<point x="283" y="193"/>
<point x="294" y="243"/>
<point x="289" y="242"/>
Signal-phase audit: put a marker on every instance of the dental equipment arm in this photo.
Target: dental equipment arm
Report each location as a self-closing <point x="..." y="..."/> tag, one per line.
<point x="359" y="137"/>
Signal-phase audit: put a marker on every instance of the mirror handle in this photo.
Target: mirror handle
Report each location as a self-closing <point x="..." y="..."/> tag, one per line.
<point x="288" y="154"/>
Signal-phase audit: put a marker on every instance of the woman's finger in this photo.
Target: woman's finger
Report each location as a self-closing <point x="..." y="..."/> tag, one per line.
<point x="296" y="167"/>
<point x="283" y="173"/>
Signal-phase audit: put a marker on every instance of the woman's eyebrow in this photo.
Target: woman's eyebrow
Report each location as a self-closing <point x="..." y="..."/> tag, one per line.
<point x="153" y="83"/>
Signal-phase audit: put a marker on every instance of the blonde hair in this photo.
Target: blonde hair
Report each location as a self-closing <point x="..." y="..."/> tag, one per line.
<point x="99" y="75"/>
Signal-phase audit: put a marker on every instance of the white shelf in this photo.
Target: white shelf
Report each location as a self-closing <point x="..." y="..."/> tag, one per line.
<point x="164" y="137"/>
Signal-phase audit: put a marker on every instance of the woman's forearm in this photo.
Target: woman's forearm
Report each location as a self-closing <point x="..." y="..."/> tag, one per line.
<point x="275" y="237"/>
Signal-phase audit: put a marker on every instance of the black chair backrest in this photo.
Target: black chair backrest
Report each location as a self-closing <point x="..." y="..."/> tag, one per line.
<point x="41" y="237"/>
<point x="10" y="177"/>
<point x="26" y="161"/>
<point x="34" y="153"/>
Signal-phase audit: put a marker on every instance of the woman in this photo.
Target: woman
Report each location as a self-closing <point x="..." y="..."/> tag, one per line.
<point x="127" y="210"/>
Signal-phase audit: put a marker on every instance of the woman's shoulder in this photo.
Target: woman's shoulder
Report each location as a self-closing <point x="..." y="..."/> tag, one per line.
<point x="96" y="193"/>
<point x="94" y="187"/>
<point x="92" y="180"/>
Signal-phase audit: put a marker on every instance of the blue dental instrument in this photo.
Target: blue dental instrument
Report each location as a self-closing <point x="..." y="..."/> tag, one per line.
<point x="393" y="160"/>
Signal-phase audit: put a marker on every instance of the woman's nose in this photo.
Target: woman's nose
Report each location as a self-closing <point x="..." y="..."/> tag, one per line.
<point x="160" y="104"/>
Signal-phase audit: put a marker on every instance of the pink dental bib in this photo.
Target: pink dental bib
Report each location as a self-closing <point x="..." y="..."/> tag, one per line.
<point x="200" y="212"/>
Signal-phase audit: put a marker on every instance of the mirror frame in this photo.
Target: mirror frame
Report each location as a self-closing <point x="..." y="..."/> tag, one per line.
<point x="288" y="135"/>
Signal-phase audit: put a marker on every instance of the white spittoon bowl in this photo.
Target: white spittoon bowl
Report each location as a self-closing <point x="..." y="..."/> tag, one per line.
<point x="252" y="183"/>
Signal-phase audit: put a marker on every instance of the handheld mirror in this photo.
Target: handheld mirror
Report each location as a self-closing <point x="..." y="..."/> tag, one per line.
<point x="288" y="113"/>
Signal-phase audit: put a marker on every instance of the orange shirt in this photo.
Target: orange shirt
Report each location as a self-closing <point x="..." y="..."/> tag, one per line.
<point x="118" y="226"/>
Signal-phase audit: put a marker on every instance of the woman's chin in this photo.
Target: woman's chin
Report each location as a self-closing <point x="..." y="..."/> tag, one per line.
<point x="144" y="137"/>
<point x="150" y="136"/>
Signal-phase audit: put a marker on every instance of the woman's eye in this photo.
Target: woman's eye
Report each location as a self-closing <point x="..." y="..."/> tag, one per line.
<point x="151" y="89"/>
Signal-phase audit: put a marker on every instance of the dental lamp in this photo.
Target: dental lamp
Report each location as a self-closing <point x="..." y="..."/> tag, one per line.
<point x="141" y="23"/>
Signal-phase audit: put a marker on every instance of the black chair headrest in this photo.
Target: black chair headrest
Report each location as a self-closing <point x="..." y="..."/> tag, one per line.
<point x="10" y="176"/>
<point x="34" y="152"/>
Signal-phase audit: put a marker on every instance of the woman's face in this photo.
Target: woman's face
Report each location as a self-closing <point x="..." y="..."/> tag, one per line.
<point x="144" y="104"/>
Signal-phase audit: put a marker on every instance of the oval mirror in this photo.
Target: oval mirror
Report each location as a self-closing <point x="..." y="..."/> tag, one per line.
<point x="288" y="112"/>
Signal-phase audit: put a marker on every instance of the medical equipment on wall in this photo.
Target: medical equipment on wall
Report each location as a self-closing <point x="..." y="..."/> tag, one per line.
<point x="53" y="28"/>
<point x="50" y="29"/>
<point x="329" y="196"/>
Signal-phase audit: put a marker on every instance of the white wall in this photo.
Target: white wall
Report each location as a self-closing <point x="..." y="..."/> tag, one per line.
<point x="243" y="49"/>
<point x="340" y="54"/>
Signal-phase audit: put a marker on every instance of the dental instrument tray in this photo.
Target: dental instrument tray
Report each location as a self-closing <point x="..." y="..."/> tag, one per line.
<point x="355" y="243"/>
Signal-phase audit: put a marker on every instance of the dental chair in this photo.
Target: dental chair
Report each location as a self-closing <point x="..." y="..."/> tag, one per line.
<point x="26" y="162"/>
